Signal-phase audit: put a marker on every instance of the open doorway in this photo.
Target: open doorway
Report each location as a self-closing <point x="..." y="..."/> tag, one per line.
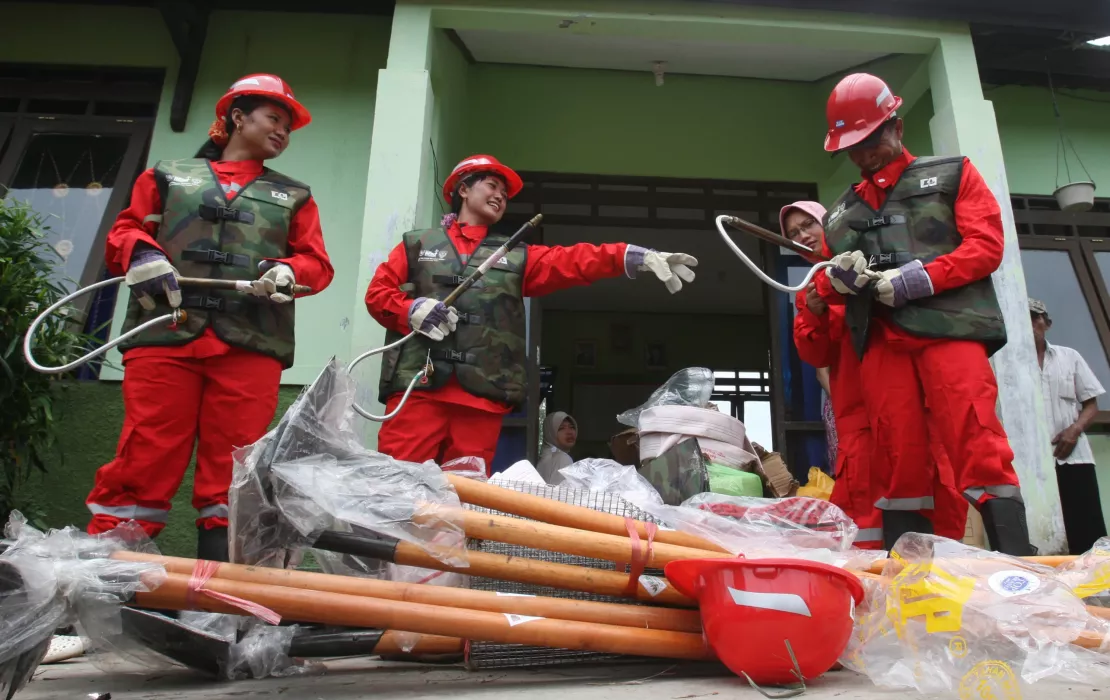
<point x="603" y="349"/>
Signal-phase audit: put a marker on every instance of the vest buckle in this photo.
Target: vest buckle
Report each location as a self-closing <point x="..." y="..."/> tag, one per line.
<point x="219" y="256"/>
<point x="877" y="222"/>
<point x="455" y="356"/>
<point x="214" y="303"/>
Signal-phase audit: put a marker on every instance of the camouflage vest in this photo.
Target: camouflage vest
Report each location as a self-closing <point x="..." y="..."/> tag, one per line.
<point x="916" y="222"/>
<point x="487" y="351"/>
<point x="205" y="236"/>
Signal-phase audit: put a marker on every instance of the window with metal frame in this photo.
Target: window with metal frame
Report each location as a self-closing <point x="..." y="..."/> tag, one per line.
<point x="1066" y="261"/>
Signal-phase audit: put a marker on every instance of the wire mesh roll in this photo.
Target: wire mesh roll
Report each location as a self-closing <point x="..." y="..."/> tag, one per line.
<point x="486" y="655"/>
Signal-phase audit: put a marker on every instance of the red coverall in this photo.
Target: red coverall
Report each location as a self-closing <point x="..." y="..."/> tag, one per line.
<point x="204" y="393"/>
<point x="904" y="375"/>
<point x="824" y="341"/>
<point x="449" y="423"/>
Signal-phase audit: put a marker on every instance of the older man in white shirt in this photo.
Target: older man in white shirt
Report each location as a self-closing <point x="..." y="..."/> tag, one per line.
<point x="1070" y="392"/>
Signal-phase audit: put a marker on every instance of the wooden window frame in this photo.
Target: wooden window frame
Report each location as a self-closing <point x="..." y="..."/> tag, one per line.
<point x="1080" y="250"/>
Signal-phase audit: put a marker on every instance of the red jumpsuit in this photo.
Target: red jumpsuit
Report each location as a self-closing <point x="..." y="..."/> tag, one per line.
<point x="904" y="375"/>
<point x="204" y="394"/>
<point x="824" y="341"/>
<point x="449" y="423"/>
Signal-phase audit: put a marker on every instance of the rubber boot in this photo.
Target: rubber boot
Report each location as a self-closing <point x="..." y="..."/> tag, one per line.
<point x="1006" y="528"/>
<point x="898" y="522"/>
<point x="212" y="543"/>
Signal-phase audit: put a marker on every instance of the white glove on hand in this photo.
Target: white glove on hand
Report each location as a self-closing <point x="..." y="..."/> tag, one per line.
<point x="431" y="318"/>
<point x="898" y="287"/>
<point x="150" y="273"/>
<point x="672" y="269"/>
<point x="849" y="273"/>
<point x="280" y="275"/>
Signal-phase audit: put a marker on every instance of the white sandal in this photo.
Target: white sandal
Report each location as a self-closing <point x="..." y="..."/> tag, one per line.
<point x="62" y="648"/>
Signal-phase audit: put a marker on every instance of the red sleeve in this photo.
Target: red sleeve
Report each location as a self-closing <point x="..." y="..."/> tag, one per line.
<point x="979" y="221"/>
<point x="384" y="299"/>
<point x="308" y="256"/>
<point x="811" y="334"/>
<point x="131" y="225"/>
<point x="550" y="269"/>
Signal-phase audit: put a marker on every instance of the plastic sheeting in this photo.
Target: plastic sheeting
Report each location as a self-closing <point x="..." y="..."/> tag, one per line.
<point x="1089" y="575"/>
<point x="311" y="474"/>
<point x="66" y="577"/>
<point x="607" y="476"/>
<point x="946" y="618"/>
<point x="692" y="386"/>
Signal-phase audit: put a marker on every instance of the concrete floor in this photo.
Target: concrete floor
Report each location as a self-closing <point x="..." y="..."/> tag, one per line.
<point x="368" y="678"/>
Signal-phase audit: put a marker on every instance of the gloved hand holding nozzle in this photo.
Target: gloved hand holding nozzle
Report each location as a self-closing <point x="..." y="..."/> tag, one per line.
<point x="672" y="269"/>
<point x="849" y="273"/>
<point x="150" y="273"/>
<point x="432" y="318"/>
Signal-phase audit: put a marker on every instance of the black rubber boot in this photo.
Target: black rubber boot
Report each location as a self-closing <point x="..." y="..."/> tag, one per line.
<point x="1006" y="528"/>
<point x="212" y="544"/>
<point x="898" y="522"/>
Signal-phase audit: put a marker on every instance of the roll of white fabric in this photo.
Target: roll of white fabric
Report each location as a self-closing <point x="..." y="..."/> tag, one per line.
<point x="723" y="438"/>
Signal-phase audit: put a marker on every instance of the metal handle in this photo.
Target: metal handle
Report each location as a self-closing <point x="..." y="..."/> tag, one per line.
<point x="177" y="316"/>
<point x="466" y="284"/>
<point x="774" y="238"/>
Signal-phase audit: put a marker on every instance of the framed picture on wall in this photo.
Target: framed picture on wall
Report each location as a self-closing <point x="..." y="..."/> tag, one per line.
<point x="656" y="356"/>
<point x="585" y="354"/>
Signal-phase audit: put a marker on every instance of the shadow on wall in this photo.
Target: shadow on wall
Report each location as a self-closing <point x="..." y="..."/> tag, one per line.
<point x="91" y="416"/>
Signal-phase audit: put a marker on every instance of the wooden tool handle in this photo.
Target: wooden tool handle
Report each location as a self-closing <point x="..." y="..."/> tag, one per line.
<point x="1054" y="561"/>
<point x="394" y="643"/>
<point x="544" y="573"/>
<point x="556" y="538"/>
<point x="348" y="610"/>
<point x="548" y="510"/>
<point x="232" y="285"/>
<point x="644" y="616"/>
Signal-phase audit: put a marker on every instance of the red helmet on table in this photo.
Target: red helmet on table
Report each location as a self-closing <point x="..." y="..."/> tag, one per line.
<point x="482" y="164"/>
<point x="858" y="105"/>
<point x="264" y="85"/>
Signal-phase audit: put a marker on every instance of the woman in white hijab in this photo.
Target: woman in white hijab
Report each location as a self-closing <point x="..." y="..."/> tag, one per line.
<point x="560" y="432"/>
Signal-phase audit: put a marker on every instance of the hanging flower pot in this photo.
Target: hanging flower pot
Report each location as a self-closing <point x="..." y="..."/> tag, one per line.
<point x="1075" y="196"/>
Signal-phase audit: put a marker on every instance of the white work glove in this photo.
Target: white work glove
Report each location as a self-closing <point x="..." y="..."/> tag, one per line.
<point x="849" y="273"/>
<point x="898" y="287"/>
<point x="431" y="318"/>
<point x="671" y="268"/>
<point x="150" y="273"/>
<point x="280" y="275"/>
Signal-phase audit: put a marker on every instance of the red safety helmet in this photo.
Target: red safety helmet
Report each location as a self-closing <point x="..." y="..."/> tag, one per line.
<point x="750" y="609"/>
<point x="264" y="85"/>
<point x="482" y="164"/>
<point x="858" y="105"/>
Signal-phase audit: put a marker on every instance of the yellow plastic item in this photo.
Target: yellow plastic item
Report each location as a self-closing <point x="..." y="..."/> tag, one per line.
<point x="820" y="485"/>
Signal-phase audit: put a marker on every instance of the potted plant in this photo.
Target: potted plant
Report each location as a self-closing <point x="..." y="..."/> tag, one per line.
<point x="28" y="419"/>
<point x="1074" y="195"/>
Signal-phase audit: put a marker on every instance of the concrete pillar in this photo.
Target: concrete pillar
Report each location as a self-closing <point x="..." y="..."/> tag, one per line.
<point x="964" y="123"/>
<point x="398" y="185"/>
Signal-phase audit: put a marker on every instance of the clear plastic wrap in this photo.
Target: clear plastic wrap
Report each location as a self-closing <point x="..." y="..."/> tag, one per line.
<point x="803" y="528"/>
<point x="1089" y="575"/>
<point x="605" y="475"/>
<point x="470" y="467"/>
<point x="65" y="577"/>
<point x="692" y="386"/>
<point x="311" y="474"/>
<point x="263" y="652"/>
<point x="946" y="618"/>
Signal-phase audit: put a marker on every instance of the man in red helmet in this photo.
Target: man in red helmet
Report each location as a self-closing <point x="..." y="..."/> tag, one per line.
<point x="914" y="245"/>
<point x="477" y="347"/>
<point x="211" y="381"/>
<point x="822" y="340"/>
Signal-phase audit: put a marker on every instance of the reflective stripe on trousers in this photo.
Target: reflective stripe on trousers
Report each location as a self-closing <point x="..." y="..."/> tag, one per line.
<point x="216" y="510"/>
<point x="151" y="515"/>
<point x="975" y="494"/>
<point x="922" y="503"/>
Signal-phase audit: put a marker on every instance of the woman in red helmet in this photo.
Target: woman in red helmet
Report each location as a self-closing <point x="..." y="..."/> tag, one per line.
<point x="210" y="381"/>
<point x="478" y="346"/>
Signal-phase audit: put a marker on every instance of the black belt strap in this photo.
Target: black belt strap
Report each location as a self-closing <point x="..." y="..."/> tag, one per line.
<point x="217" y="257"/>
<point x="877" y="222"/>
<point x="214" y="214"/>
<point x="456" y="356"/>
<point x="448" y="280"/>
<point x="210" y="303"/>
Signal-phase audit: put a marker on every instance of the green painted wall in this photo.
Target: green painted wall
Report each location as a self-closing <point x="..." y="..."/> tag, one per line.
<point x="1100" y="445"/>
<point x="450" y="77"/>
<point x="1027" y="127"/>
<point x="91" y="414"/>
<point x="616" y="122"/>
